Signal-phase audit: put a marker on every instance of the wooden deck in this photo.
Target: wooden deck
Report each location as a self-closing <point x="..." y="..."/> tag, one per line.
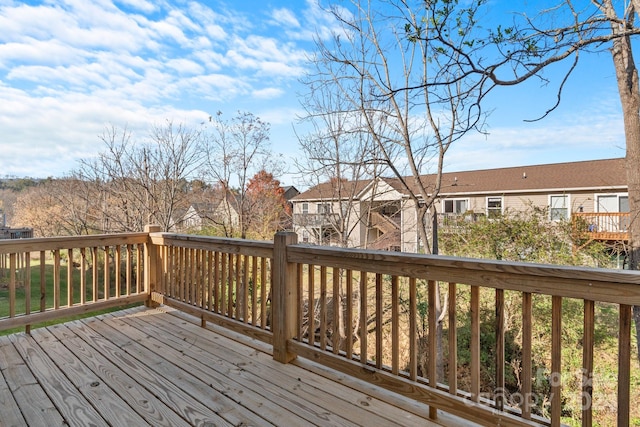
<point x="157" y="367"/>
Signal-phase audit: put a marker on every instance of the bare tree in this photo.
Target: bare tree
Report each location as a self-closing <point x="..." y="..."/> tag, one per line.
<point x="395" y="84"/>
<point x="339" y="161"/>
<point x="143" y="182"/>
<point x="408" y="99"/>
<point x="507" y="55"/>
<point x="237" y="149"/>
<point x="64" y="206"/>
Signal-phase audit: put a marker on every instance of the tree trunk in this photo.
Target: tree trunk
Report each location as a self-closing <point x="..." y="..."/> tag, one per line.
<point x="629" y="90"/>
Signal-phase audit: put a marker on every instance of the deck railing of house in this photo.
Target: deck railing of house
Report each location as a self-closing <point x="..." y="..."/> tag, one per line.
<point x="604" y="225"/>
<point x="316" y="219"/>
<point x="75" y="275"/>
<point x="227" y="281"/>
<point x="435" y="329"/>
<point x="452" y="221"/>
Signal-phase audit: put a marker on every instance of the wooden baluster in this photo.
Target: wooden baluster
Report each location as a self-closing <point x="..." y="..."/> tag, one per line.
<point x="395" y="327"/>
<point x="117" y="267"/>
<point x="43" y="282"/>
<point x="69" y="277"/>
<point x="12" y="284"/>
<point x="337" y="310"/>
<point x="27" y="289"/>
<point x="556" y="360"/>
<point x="83" y="276"/>
<point x="349" y="314"/>
<point x="475" y="343"/>
<point x="210" y="280"/>
<point x="56" y="279"/>
<point x="128" y="250"/>
<point x="453" y="339"/>
<point x="587" y="362"/>
<point x="300" y="302"/>
<point x="94" y="273"/>
<point x="254" y="290"/>
<point x="433" y="342"/>
<point x="312" y="304"/>
<point x="245" y="288"/>
<point x="323" y="307"/>
<point x="500" y="357"/>
<point x="527" y="327"/>
<point x="364" y="358"/>
<point x="379" y="308"/>
<point x="107" y="277"/>
<point x="263" y="293"/>
<point x="624" y="365"/>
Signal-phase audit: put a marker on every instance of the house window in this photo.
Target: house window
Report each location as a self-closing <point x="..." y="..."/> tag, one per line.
<point x="305" y="236"/>
<point x="613" y="203"/>
<point x="305" y="208"/>
<point x="494" y="207"/>
<point x="456" y="206"/>
<point x="623" y="203"/>
<point x="323" y="208"/>
<point x="559" y="207"/>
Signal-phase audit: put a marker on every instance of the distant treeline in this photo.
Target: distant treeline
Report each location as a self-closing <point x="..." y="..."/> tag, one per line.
<point x="19" y="184"/>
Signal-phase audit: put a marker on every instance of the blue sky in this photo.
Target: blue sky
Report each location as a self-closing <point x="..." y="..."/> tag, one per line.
<point x="69" y="68"/>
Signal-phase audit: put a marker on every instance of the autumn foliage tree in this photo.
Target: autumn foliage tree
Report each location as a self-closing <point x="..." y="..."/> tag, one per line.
<point x="268" y="210"/>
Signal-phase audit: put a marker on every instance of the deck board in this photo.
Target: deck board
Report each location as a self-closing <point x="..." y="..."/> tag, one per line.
<point x="150" y="367"/>
<point x="295" y="385"/>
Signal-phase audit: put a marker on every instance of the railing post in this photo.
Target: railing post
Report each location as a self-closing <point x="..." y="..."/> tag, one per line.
<point x="150" y="264"/>
<point x="285" y="297"/>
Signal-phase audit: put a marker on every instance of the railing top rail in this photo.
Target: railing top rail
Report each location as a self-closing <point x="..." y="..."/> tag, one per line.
<point x="220" y="244"/>
<point x="70" y="242"/>
<point x="616" y="286"/>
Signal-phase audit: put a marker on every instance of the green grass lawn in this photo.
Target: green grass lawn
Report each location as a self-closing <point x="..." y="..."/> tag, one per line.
<point x="47" y="297"/>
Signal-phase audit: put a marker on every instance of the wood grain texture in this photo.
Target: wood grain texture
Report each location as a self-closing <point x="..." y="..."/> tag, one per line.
<point x="146" y="366"/>
<point x="616" y="286"/>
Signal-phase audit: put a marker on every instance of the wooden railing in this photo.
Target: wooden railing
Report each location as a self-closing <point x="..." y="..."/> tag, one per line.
<point x="399" y="321"/>
<point x="67" y="276"/>
<point x="227" y="281"/>
<point x="603" y="225"/>
<point x="447" y="332"/>
<point x="316" y="219"/>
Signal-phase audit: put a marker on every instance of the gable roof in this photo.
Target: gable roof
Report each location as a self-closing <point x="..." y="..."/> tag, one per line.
<point x="330" y="191"/>
<point x="603" y="175"/>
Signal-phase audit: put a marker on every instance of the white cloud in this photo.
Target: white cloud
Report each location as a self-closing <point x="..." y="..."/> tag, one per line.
<point x="285" y="17"/>
<point x="140" y="5"/>
<point x="571" y="137"/>
<point x="267" y="93"/>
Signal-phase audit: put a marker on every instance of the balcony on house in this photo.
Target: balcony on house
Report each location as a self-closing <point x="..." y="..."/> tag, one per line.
<point x="316" y="219"/>
<point x="455" y="220"/>
<point x="606" y="226"/>
<point x="238" y="332"/>
<point x="15" y="233"/>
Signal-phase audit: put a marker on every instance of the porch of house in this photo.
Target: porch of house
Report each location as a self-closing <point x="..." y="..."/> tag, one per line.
<point x="158" y="366"/>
